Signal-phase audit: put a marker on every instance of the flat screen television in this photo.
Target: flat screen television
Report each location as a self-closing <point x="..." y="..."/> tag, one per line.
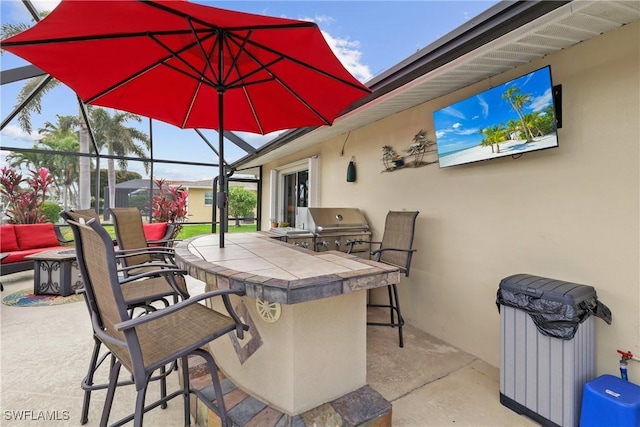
<point x="513" y="118"/>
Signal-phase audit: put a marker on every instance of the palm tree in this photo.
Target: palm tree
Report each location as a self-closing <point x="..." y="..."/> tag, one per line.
<point x="63" y="168"/>
<point x="532" y="120"/>
<point x="35" y="106"/>
<point x="493" y="135"/>
<point x="63" y="137"/>
<point x="518" y="101"/>
<point x="112" y="134"/>
<point x="513" y="128"/>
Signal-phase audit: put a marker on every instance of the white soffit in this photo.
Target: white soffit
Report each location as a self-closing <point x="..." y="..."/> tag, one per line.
<point x="566" y="26"/>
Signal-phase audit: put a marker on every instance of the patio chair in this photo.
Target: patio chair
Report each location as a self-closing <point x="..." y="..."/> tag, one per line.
<point x="146" y="343"/>
<point x="131" y="238"/>
<point x="396" y="248"/>
<point x="137" y="294"/>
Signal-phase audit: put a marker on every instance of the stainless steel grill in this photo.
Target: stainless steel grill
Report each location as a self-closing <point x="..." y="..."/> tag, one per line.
<point x="328" y="229"/>
<point x="333" y="227"/>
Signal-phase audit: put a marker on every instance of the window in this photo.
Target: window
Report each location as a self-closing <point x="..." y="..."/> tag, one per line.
<point x="293" y="187"/>
<point x="208" y="198"/>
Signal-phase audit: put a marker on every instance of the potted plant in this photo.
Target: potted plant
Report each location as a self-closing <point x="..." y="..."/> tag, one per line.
<point x="169" y="204"/>
<point x="274" y="223"/>
<point x="388" y="154"/>
<point x="421" y="145"/>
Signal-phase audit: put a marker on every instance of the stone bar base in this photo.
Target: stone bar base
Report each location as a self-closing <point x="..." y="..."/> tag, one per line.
<point x="363" y="407"/>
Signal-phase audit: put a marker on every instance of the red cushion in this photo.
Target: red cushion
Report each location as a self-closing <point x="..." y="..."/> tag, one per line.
<point x="155" y="231"/>
<point x="8" y="240"/>
<point x="34" y="236"/>
<point x="20" y="255"/>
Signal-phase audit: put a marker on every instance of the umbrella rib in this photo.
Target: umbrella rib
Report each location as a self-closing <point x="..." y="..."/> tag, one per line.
<point x="234" y="60"/>
<point x="98" y="37"/>
<point x="164" y="7"/>
<point x="191" y="104"/>
<point x="253" y="110"/>
<point x="283" y="84"/>
<point x="144" y="70"/>
<point x="207" y="62"/>
<point x="176" y="54"/>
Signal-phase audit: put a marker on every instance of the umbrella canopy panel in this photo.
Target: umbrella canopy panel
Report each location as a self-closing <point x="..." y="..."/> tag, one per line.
<point x="169" y="60"/>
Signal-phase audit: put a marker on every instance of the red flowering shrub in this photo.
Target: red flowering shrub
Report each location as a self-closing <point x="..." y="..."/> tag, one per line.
<point x="25" y="204"/>
<point x="169" y="203"/>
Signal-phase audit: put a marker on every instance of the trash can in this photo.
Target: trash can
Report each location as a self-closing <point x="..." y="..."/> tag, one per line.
<point x="547" y="346"/>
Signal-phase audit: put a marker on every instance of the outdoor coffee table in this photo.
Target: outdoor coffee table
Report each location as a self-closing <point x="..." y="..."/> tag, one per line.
<point x="56" y="272"/>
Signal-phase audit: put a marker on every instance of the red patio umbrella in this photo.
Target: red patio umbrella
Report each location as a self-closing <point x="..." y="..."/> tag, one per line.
<point x="193" y="66"/>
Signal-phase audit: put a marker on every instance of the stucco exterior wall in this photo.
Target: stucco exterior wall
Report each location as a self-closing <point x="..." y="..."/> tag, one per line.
<point x="570" y="213"/>
<point x="198" y="210"/>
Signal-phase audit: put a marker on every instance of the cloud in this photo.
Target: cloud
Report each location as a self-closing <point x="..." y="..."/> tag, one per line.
<point x="539" y="103"/>
<point x="350" y="55"/>
<point x="456" y="125"/>
<point x="13" y="132"/>
<point x="453" y="112"/>
<point x="347" y="51"/>
<point x="484" y="105"/>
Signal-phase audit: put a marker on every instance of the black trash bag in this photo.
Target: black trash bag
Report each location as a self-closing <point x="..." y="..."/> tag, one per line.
<point x="552" y="318"/>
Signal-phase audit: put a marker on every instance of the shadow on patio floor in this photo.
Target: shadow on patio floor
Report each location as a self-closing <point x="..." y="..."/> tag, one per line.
<point x="45" y="352"/>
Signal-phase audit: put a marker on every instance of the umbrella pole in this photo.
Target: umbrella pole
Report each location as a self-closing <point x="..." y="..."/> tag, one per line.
<point x="222" y="183"/>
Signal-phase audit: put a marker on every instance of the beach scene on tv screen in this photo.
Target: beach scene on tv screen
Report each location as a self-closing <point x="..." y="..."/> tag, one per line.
<point x="510" y="119"/>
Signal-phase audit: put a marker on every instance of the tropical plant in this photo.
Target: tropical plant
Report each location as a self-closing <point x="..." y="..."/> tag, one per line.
<point x="51" y="211"/>
<point x="242" y="202"/>
<point x="34" y="105"/>
<point x="493" y="135"/>
<point x="112" y="133"/>
<point x="61" y="137"/>
<point x="169" y="204"/>
<point x="25" y="204"/>
<point x="518" y="101"/>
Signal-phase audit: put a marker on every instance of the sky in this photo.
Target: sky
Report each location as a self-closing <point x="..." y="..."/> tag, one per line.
<point x="368" y="37"/>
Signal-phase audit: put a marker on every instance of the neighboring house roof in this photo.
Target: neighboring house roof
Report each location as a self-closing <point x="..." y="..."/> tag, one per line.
<point x="134" y="184"/>
<point x="506" y="36"/>
<point x="208" y="184"/>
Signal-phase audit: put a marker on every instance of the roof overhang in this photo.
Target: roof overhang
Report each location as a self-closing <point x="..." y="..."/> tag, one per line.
<point x="506" y="36"/>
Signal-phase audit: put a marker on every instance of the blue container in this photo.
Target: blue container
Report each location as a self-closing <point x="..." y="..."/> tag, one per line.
<point x="610" y="401"/>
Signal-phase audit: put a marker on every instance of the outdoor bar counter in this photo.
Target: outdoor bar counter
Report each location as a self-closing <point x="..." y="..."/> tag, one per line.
<point x="306" y="311"/>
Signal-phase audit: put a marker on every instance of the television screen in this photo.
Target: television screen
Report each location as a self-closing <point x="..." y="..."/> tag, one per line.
<point x="514" y="118"/>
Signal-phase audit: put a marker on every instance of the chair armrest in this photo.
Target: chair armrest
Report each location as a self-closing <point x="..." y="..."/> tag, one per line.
<point x="392" y="249"/>
<point x="156" y="250"/>
<point x="404" y="269"/>
<point x="163" y="270"/>
<point x="224" y="293"/>
<point x="350" y="243"/>
<point x="59" y="235"/>
<point x="162" y="242"/>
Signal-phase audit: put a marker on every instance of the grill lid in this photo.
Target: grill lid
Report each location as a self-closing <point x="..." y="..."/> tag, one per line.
<point x="336" y="219"/>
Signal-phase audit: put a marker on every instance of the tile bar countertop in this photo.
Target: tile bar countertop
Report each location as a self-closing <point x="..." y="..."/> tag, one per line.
<point x="276" y="271"/>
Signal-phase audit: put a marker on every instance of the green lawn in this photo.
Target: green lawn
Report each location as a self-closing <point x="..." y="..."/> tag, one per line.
<point x="188" y="230"/>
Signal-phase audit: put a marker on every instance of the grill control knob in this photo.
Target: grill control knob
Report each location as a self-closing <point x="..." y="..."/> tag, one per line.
<point x="338" y="243"/>
<point x="324" y="244"/>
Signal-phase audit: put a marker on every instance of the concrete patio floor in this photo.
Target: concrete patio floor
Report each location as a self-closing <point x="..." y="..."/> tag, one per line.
<point x="44" y="354"/>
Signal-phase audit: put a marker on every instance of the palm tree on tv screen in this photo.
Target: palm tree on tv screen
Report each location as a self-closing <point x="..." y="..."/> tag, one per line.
<point x="518" y="102"/>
